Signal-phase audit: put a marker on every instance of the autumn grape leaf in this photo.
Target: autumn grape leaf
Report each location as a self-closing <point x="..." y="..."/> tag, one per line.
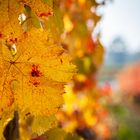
<point x="34" y="68"/>
<point x="33" y="79"/>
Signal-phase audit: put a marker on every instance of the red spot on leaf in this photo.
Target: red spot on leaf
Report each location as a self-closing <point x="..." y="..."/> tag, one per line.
<point x="43" y="14"/>
<point x="35" y="71"/>
<point x="35" y="74"/>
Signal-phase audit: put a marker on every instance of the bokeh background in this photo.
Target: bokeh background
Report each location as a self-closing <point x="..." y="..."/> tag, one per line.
<point x="103" y="100"/>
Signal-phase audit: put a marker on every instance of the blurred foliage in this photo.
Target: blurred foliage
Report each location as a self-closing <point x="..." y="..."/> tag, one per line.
<point x="85" y="111"/>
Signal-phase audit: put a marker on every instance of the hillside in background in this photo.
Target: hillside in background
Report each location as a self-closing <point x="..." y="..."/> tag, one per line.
<point x="116" y="58"/>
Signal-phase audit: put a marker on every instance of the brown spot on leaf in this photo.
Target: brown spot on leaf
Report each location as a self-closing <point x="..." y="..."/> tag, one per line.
<point x="34" y="75"/>
<point x="35" y="71"/>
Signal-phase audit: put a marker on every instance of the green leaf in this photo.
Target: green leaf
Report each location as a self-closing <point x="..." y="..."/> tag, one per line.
<point x="31" y="19"/>
<point x="35" y="20"/>
<point x="119" y="111"/>
<point x="127" y="133"/>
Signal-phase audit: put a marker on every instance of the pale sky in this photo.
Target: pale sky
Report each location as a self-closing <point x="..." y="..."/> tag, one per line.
<point x="122" y="18"/>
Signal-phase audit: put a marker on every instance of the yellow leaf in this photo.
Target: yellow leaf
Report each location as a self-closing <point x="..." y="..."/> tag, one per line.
<point x="33" y="66"/>
<point x="33" y="79"/>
